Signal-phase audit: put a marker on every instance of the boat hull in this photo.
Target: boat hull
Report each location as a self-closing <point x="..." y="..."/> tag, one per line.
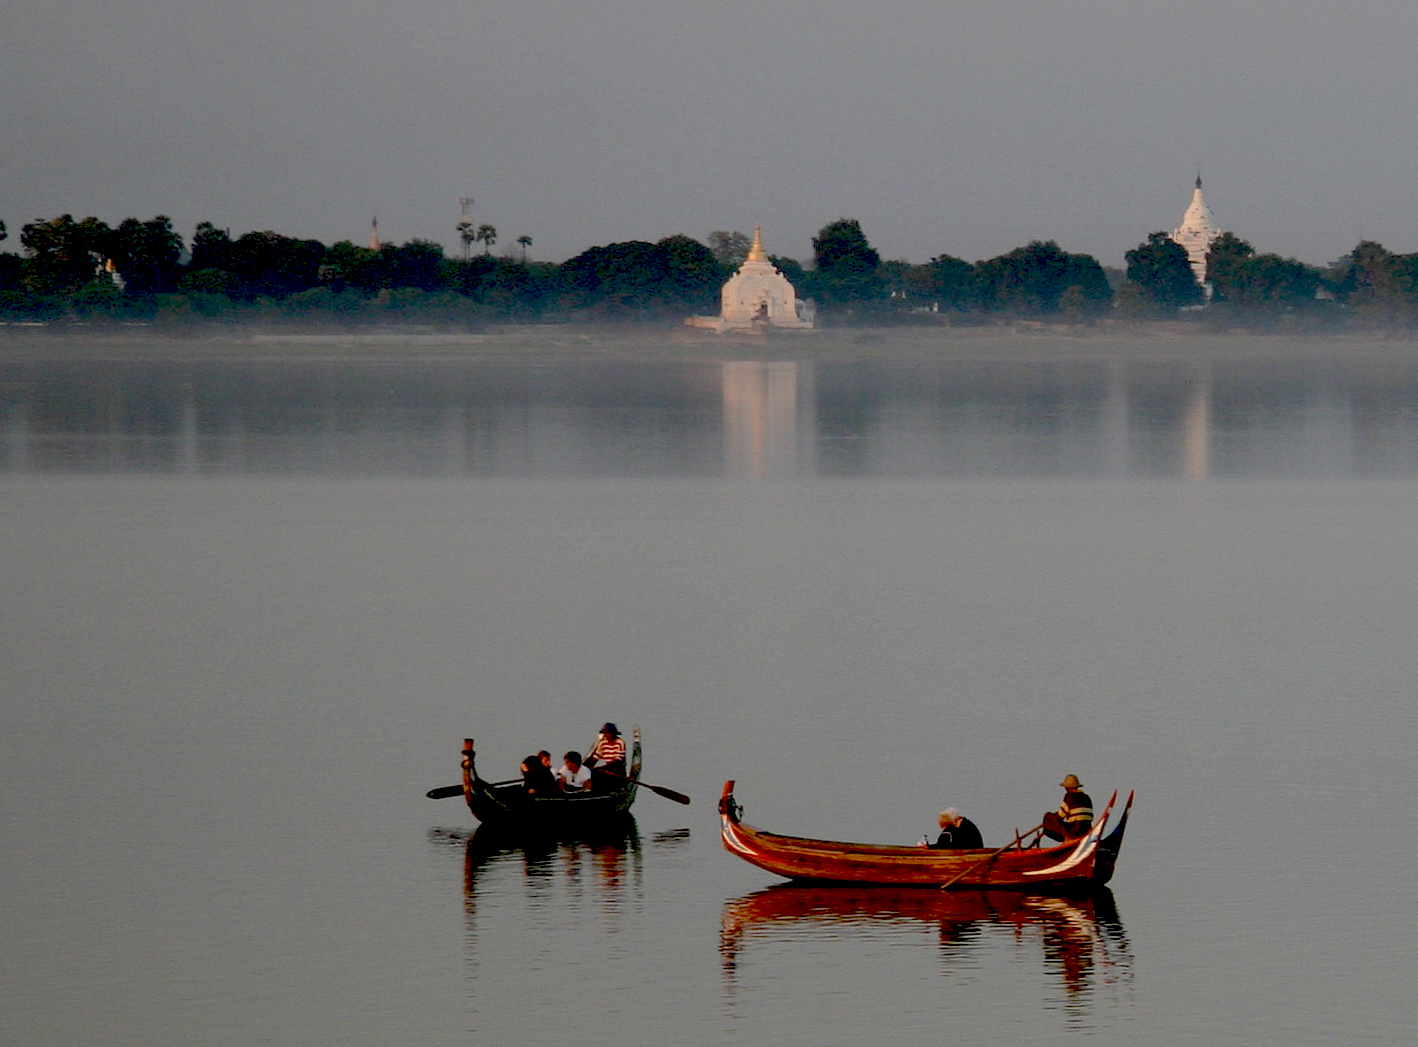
<point x="1076" y="865"/>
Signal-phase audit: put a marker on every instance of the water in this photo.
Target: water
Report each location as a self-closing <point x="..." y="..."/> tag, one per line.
<point x="251" y="611"/>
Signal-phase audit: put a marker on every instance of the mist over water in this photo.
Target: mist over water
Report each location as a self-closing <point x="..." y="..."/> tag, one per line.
<point x="251" y="610"/>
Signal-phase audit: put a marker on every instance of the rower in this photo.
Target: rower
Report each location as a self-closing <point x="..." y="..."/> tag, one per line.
<point x="607" y="755"/>
<point x="1075" y="814"/>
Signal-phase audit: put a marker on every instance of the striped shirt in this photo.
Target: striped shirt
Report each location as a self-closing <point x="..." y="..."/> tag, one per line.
<point x="1076" y="809"/>
<point x="607" y="750"/>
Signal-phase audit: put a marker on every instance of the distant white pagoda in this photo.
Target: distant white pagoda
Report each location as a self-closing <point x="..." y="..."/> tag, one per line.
<point x="756" y="297"/>
<point x="1195" y="234"/>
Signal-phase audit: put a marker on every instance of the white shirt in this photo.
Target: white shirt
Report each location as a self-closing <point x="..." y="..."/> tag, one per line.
<point x="574" y="781"/>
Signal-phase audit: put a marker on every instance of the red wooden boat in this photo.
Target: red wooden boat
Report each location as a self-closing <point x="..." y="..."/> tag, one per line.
<point x="1079" y="865"/>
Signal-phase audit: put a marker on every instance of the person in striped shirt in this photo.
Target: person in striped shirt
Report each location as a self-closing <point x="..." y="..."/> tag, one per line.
<point x="608" y="754"/>
<point x="1075" y="815"/>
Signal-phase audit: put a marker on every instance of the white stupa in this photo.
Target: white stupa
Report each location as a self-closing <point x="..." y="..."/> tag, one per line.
<point x="1197" y="231"/>
<point x="756" y="297"/>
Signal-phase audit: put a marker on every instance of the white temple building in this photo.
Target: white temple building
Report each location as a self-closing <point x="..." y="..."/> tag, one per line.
<point x="756" y="297"/>
<point x="1195" y="234"/>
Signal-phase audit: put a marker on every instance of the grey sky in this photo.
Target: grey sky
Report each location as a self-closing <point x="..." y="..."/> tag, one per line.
<point x="967" y="128"/>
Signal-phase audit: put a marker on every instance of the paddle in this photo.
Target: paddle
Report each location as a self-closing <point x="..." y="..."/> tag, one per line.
<point x="447" y="791"/>
<point x="1017" y="841"/>
<point x="444" y="792"/>
<point x="668" y="794"/>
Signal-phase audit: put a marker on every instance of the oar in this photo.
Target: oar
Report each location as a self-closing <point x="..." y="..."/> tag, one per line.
<point x="668" y="794"/>
<point x="1018" y="838"/>
<point x="444" y="792"/>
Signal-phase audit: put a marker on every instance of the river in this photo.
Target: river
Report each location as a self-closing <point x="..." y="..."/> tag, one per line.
<point x="253" y="606"/>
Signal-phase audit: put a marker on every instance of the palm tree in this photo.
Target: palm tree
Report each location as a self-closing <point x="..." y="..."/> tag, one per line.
<point x="488" y="235"/>
<point x="526" y="242"/>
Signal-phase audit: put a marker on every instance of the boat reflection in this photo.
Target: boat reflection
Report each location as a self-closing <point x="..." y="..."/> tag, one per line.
<point x="1081" y="938"/>
<point x="592" y="875"/>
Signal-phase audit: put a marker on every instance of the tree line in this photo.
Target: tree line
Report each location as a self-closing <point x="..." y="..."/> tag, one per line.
<point x="144" y="271"/>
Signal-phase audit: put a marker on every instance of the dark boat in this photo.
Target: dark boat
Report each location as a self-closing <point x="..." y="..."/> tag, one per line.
<point x="1076" y="865"/>
<point x="506" y="805"/>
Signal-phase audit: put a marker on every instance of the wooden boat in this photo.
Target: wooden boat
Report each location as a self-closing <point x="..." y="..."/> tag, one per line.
<point x="506" y="805"/>
<point x="1077" y="865"/>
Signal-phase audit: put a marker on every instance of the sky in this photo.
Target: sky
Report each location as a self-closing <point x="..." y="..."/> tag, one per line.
<point x="959" y="127"/>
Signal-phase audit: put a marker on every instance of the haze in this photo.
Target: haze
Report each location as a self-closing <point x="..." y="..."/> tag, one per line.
<point x="964" y="128"/>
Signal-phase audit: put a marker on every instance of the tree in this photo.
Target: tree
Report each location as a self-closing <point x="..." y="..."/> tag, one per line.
<point x="526" y="242"/>
<point x="1379" y="286"/>
<point x="846" y="264"/>
<point x="692" y="276"/>
<point x="469" y="277"/>
<point x="1160" y="269"/>
<point x="418" y="263"/>
<point x="792" y="271"/>
<point x="64" y="255"/>
<point x="635" y="278"/>
<point x="269" y="265"/>
<point x="211" y="248"/>
<point x="952" y="283"/>
<point x="618" y="279"/>
<point x="730" y="248"/>
<point x="347" y="264"/>
<point x="1031" y="280"/>
<point x="1223" y="261"/>
<point x="1272" y="285"/>
<point x="488" y="235"/>
<point x="146" y="255"/>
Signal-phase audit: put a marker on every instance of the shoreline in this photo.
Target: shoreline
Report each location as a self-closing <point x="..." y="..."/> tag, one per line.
<point x="1159" y="341"/>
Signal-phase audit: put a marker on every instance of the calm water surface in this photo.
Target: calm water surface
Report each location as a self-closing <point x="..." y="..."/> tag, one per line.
<point x="250" y="611"/>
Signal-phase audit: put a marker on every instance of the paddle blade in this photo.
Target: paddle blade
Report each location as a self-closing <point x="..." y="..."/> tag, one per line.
<point x="445" y="792"/>
<point x="668" y="794"/>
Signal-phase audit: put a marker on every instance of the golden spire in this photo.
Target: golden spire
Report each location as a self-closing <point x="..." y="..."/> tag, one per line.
<point x="756" y="253"/>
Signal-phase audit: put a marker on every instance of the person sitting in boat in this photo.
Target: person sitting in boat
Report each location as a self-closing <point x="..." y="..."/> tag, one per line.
<point x="608" y="754"/>
<point x="1075" y="815"/>
<point x="957" y="833"/>
<point x="574" y="776"/>
<point x="537" y="779"/>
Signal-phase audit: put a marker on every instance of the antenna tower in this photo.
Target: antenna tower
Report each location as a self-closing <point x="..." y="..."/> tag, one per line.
<point x="465" y="226"/>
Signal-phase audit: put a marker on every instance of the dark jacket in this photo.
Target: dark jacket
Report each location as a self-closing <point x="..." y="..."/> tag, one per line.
<point x="537" y="780"/>
<point x="962" y="837"/>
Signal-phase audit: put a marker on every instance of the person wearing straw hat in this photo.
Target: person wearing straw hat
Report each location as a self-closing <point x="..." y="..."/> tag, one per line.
<point x="1075" y="814"/>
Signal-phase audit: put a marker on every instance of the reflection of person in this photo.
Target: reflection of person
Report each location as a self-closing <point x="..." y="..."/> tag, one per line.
<point x="1075" y="814"/>
<point x="957" y="833"/>
<point x="573" y="775"/>
<point x="537" y="779"/>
